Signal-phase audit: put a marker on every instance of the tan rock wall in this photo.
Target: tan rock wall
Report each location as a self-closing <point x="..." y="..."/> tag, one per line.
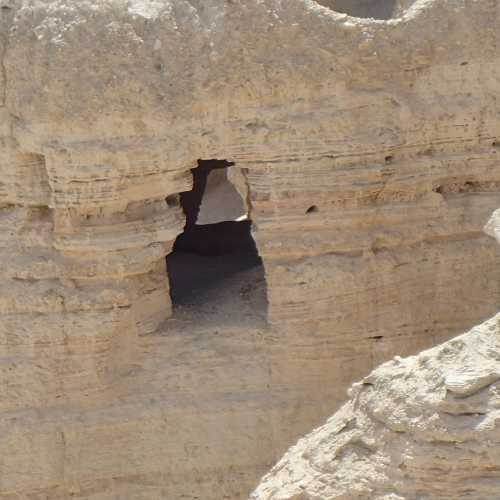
<point x="421" y="427"/>
<point x="387" y="131"/>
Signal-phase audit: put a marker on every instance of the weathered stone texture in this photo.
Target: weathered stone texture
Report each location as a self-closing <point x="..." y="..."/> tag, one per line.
<point x="421" y="427"/>
<point x="370" y="153"/>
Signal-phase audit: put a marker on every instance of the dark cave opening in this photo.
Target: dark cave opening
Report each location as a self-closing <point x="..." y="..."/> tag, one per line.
<point x="376" y="9"/>
<point x="215" y="260"/>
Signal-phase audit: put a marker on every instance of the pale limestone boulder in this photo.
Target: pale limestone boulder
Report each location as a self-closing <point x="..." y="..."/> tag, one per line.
<point x="492" y="228"/>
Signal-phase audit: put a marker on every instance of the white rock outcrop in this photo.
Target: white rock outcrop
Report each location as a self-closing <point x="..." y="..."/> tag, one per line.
<point x="421" y="427"/>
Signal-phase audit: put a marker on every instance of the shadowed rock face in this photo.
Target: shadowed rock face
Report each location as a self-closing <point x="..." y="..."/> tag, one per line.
<point x="366" y="153"/>
<point x="217" y="239"/>
<point x="370" y="9"/>
<point x="375" y="9"/>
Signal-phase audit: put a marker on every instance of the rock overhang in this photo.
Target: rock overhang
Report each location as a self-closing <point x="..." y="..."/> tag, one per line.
<point x="88" y="70"/>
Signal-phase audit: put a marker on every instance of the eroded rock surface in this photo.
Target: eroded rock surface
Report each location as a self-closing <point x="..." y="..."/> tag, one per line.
<point x="366" y="152"/>
<point x="420" y="427"/>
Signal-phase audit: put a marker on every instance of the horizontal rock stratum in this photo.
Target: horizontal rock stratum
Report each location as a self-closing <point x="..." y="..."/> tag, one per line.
<point x="421" y="427"/>
<point x="361" y="142"/>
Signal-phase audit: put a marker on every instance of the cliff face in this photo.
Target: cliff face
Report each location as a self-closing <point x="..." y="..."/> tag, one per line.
<point x="366" y="154"/>
<point x="421" y="427"/>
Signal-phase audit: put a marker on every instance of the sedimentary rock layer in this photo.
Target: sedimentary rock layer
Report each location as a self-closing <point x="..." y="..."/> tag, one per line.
<point x="369" y="150"/>
<point x="420" y="427"/>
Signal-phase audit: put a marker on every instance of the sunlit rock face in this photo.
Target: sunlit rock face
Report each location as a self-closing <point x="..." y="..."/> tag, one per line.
<point x="364" y="152"/>
<point x="421" y="427"/>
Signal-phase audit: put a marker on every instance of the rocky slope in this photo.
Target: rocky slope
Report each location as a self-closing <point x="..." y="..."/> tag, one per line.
<point x="415" y="428"/>
<point x="421" y="427"/>
<point x="368" y="154"/>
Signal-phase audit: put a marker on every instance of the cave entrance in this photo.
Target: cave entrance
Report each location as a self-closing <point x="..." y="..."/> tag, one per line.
<point x="375" y="9"/>
<point x="214" y="265"/>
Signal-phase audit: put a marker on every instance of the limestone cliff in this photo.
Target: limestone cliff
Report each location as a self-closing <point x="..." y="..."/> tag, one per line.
<point x="366" y="153"/>
<point x="420" y="427"/>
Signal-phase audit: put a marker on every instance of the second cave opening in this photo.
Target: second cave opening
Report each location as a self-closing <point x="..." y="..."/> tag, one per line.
<point x="215" y="263"/>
